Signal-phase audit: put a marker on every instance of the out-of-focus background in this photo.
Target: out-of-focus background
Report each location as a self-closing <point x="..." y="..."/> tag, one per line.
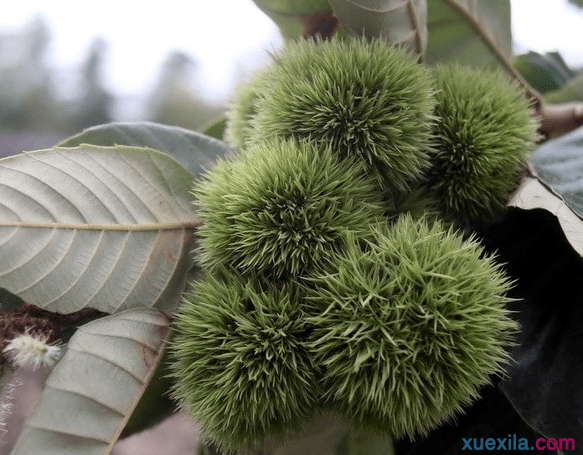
<point x="65" y="66"/>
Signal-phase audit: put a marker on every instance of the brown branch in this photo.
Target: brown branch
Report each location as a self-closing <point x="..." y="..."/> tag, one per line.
<point x="417" y="26"/>
<point x="560" y="118"/>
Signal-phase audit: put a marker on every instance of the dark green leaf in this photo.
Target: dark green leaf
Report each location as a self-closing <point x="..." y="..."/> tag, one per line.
<point x="473" y="32"/>
<point x="155" y="404"/>
<point x="544" y="72"/>
<point x="571" y="91"/>
<point x="559" y="163"/>
<point x="195" y="151"/>
<point x="9" y="301"/>
<point x="215" y="128"/>
<point x="492" y="416"/>
<point x="544" y="382"/>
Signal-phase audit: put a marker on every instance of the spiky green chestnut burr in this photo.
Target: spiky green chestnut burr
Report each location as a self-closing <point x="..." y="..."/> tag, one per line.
<point x="242" y="110"/>
<point x="364" y="99"/>
<point x="241" y="361"/>
<point x="484" y="132"/>
<point x="279" y="209"/>
<point x="408" y="324"/>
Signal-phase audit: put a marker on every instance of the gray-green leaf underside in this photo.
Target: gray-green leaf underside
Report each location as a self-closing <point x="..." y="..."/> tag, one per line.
<point x="535" y="194"/>
<point x="96" y="385"/>
<point x="559" y="164"/>
<point x="399" y="22"/>
<point x="109" y="228"/>
<point x="195" y="151"/>
<point x="472" y="32"/>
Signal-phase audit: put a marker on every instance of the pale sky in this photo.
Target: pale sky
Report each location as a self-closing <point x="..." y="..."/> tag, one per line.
<point x="227" y="37"/>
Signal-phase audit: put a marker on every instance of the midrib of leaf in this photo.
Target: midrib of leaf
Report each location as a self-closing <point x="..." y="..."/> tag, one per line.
<point x="494" y="48"/>
<point x="142" y="227"/>
<point x="417" y="28"/>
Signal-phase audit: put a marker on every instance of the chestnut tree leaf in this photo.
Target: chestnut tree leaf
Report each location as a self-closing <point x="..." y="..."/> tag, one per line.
<point x="540" y="241"/>
<point x="572" y="90"/>
<point x="216" y="128"/>
<point x="543" y="381"/>
<point x="490" y="417"/>
<point x="544" y="72"/>
<point x="559" y="164"/>
<point x="92" y="391"/>
<point x="109" y="228"/>
<point x="472" y="32"/>
<point x="399" y="22"/>
<point x="193" y="150"/>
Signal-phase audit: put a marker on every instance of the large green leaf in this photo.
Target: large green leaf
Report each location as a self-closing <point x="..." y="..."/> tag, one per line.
<point x="396" y="21"/>
<point x="544" y="72"/>
<point x="93" y="389"/>
<point x="570" y="91"/>
<point x="195" y="151"/>
<point x="109" y="228"/>
<point x="544" y="380"/>
<point x="559" y="163"/>
<point x="542" y="247"/>
<point x="9" y="301"/>
<point x="490" y="416"/>
<point x="472" y="32"/>
<point x="296" y="18"/>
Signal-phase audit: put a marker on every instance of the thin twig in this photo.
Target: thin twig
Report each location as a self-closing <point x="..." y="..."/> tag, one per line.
<point x="560" y="118"/>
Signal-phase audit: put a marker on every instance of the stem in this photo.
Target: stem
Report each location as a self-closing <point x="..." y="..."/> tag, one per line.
<point x="417" y="26"/>
<point x="560" y="118"/>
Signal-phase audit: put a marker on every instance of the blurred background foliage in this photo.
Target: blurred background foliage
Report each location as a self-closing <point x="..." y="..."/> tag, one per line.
<point x="39" y="104"/>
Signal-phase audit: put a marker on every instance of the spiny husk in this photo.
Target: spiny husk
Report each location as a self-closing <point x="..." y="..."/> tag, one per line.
<point x="241" y="361"/>
<point x="408" y="326"/>
<point x="242" y="110"/>
<point x="281" y="207"/>
<point x="483" y="135"/>
<point x="362" y="98"/>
